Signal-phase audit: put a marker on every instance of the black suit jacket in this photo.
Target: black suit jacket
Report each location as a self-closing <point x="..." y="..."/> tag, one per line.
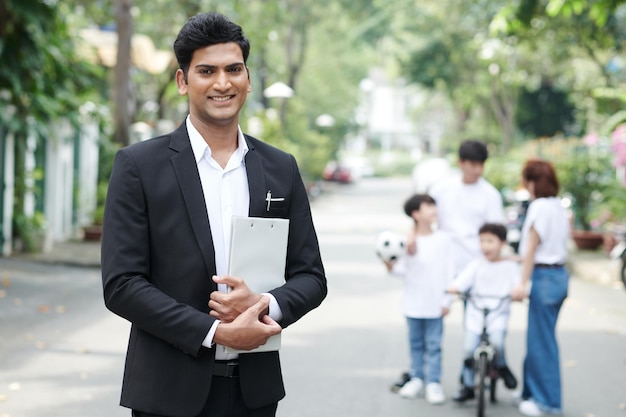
<point x="157" y="263"/>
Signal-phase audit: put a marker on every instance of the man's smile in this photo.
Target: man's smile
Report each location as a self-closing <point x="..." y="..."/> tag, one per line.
<point x="221" y="98"/>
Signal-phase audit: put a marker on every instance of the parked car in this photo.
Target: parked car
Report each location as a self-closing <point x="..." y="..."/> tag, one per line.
<point x="336" y="171"/>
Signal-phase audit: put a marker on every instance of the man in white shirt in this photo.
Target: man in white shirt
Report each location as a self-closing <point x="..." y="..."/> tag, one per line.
<point x="468" y="202"/>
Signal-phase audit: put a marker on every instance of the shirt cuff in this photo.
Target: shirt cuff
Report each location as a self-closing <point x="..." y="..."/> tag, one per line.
<point x="275" y="312"/>
<point x="208" y="340"/>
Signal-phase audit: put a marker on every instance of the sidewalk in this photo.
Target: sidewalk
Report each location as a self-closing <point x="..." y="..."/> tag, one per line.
<point x="72" y="253"/>
<point x="592" y="266"/>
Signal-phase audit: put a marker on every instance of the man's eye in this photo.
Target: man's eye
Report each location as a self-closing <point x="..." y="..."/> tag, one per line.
<point x="205" y="71"/>
<point x="235" y="69"/>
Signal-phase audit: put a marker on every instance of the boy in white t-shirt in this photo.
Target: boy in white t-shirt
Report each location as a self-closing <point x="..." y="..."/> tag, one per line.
<point x="488" y="279"/>
<point x="426" y="274"/>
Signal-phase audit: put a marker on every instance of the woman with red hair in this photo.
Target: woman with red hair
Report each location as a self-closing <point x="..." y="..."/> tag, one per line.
<point x="544" y="251"/>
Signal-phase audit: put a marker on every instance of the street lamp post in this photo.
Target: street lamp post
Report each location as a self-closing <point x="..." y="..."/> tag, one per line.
<point x="281" y="91"/>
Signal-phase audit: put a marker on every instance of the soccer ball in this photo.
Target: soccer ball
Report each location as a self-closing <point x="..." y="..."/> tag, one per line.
<point x="389" y="246"/>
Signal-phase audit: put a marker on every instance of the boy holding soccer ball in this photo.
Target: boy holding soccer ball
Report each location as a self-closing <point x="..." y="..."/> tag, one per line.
<point x="426" y="274"/>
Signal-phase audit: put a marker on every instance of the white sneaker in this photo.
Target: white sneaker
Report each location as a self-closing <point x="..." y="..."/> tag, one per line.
<point x="434" y="393"/>
<point x="530" y="408"/>
<point x="412" y="389"/>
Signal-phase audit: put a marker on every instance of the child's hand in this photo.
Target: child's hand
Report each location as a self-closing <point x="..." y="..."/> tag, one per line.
<point x="519" y="293"/>
<point x="444" y="311"/>
<point x="388" y="264"/>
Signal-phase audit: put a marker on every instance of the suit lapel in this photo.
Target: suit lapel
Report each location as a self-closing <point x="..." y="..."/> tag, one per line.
<point x="256" y="181"/>
<point x="186" y="171"/>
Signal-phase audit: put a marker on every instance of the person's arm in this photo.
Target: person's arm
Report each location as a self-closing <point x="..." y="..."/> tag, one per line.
<point x="495" y="208"/>
<point x="127" y="276"/>
<point x="250" y="329"/>
<point x="411" y="241"/>
<point x="528" y="263"/>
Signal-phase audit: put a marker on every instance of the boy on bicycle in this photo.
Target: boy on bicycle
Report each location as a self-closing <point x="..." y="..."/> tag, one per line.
<point x="491" y="278"/>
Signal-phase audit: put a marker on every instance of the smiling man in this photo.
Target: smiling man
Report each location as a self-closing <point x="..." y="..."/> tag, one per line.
<point x="166" y="241"/>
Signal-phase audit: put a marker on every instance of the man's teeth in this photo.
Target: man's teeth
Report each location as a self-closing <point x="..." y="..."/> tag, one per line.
<point x="223" y="98"/>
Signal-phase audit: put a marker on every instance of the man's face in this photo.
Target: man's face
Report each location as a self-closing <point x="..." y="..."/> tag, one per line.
<point x="491" y="246"/>
<point x="472" y="170"/>
<point x="217" y="84"/>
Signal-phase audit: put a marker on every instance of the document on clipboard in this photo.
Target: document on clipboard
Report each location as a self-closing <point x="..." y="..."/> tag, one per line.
<point x="258" y="252"/>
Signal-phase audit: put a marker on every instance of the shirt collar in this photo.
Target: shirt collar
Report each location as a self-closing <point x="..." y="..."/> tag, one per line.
<point x="200" y="147"/>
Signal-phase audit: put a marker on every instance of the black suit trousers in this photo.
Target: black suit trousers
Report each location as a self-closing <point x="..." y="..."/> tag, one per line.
<point x="225" y="401"/>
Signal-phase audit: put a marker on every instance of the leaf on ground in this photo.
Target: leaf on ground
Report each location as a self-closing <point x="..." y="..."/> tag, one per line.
<point x="572" y="363"/>
<point x="41" y="344"/>
<point x="3" y="293"/>
<point x="43" y="308"/>
<point x="14" y="386"/>
<point x="6" y="281"/>
<point x="3" y="398"/>
<point x="60" y="309"/>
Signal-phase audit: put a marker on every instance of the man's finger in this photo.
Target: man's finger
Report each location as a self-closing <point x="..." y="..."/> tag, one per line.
<point x="229" y="280"/>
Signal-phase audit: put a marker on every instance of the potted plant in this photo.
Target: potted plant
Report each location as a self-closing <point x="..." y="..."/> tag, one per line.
<point x="93" y="232"/>
<point x="30" y="232"/>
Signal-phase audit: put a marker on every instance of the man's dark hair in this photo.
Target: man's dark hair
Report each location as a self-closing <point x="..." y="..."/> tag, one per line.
<point x="473" y="150"/>
<point x="496" y="229"/>
<point x="206" y="29"/>
<point x="415" y="201"/>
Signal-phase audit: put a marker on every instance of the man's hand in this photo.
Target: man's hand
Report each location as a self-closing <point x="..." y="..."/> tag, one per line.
<point x="228" y="306"/>
<point x="519" y="293"/>
<point x="250" y="329"/>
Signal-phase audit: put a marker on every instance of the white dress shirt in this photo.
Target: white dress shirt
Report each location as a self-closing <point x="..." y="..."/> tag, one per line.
<point x="226" y="194"/>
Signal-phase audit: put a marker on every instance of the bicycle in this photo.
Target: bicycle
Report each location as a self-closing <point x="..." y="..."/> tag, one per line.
<point x="484" y="367"/>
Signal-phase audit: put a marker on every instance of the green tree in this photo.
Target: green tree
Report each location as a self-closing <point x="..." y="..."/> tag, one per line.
<point x="42" y="80"/>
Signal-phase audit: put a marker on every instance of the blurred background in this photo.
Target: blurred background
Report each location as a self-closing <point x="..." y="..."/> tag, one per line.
<point x="352" y="88"/>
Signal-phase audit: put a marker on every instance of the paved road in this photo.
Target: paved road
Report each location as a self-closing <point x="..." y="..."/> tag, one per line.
<point x="61" y="352"/>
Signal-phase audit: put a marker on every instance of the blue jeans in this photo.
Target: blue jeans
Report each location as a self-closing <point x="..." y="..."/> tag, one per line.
<point x="542" y="372"/>
<point x="425" y="347"/>
<point x="470" y="343"/>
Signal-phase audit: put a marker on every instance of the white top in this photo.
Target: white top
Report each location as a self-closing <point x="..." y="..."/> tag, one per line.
<point x="549" y="219"/>
<point x="226" y="194"/>
<point x="496" y="279"/>
<point x="427" y="275"/>
<point x="463" y="209"/>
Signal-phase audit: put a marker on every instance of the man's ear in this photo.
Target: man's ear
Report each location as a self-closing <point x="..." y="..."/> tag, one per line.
<point x="181" y="83"/>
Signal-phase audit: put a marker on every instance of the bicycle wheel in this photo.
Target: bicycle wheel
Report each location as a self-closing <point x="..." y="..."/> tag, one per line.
<point x="482" y="375"/>
<point x="493" y="381"/>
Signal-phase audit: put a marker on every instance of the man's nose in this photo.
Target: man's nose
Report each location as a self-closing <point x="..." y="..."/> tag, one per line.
<point x="222" y="81"/>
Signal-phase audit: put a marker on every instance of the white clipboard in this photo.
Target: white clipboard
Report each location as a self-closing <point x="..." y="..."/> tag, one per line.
<point x="258" y="252"/>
